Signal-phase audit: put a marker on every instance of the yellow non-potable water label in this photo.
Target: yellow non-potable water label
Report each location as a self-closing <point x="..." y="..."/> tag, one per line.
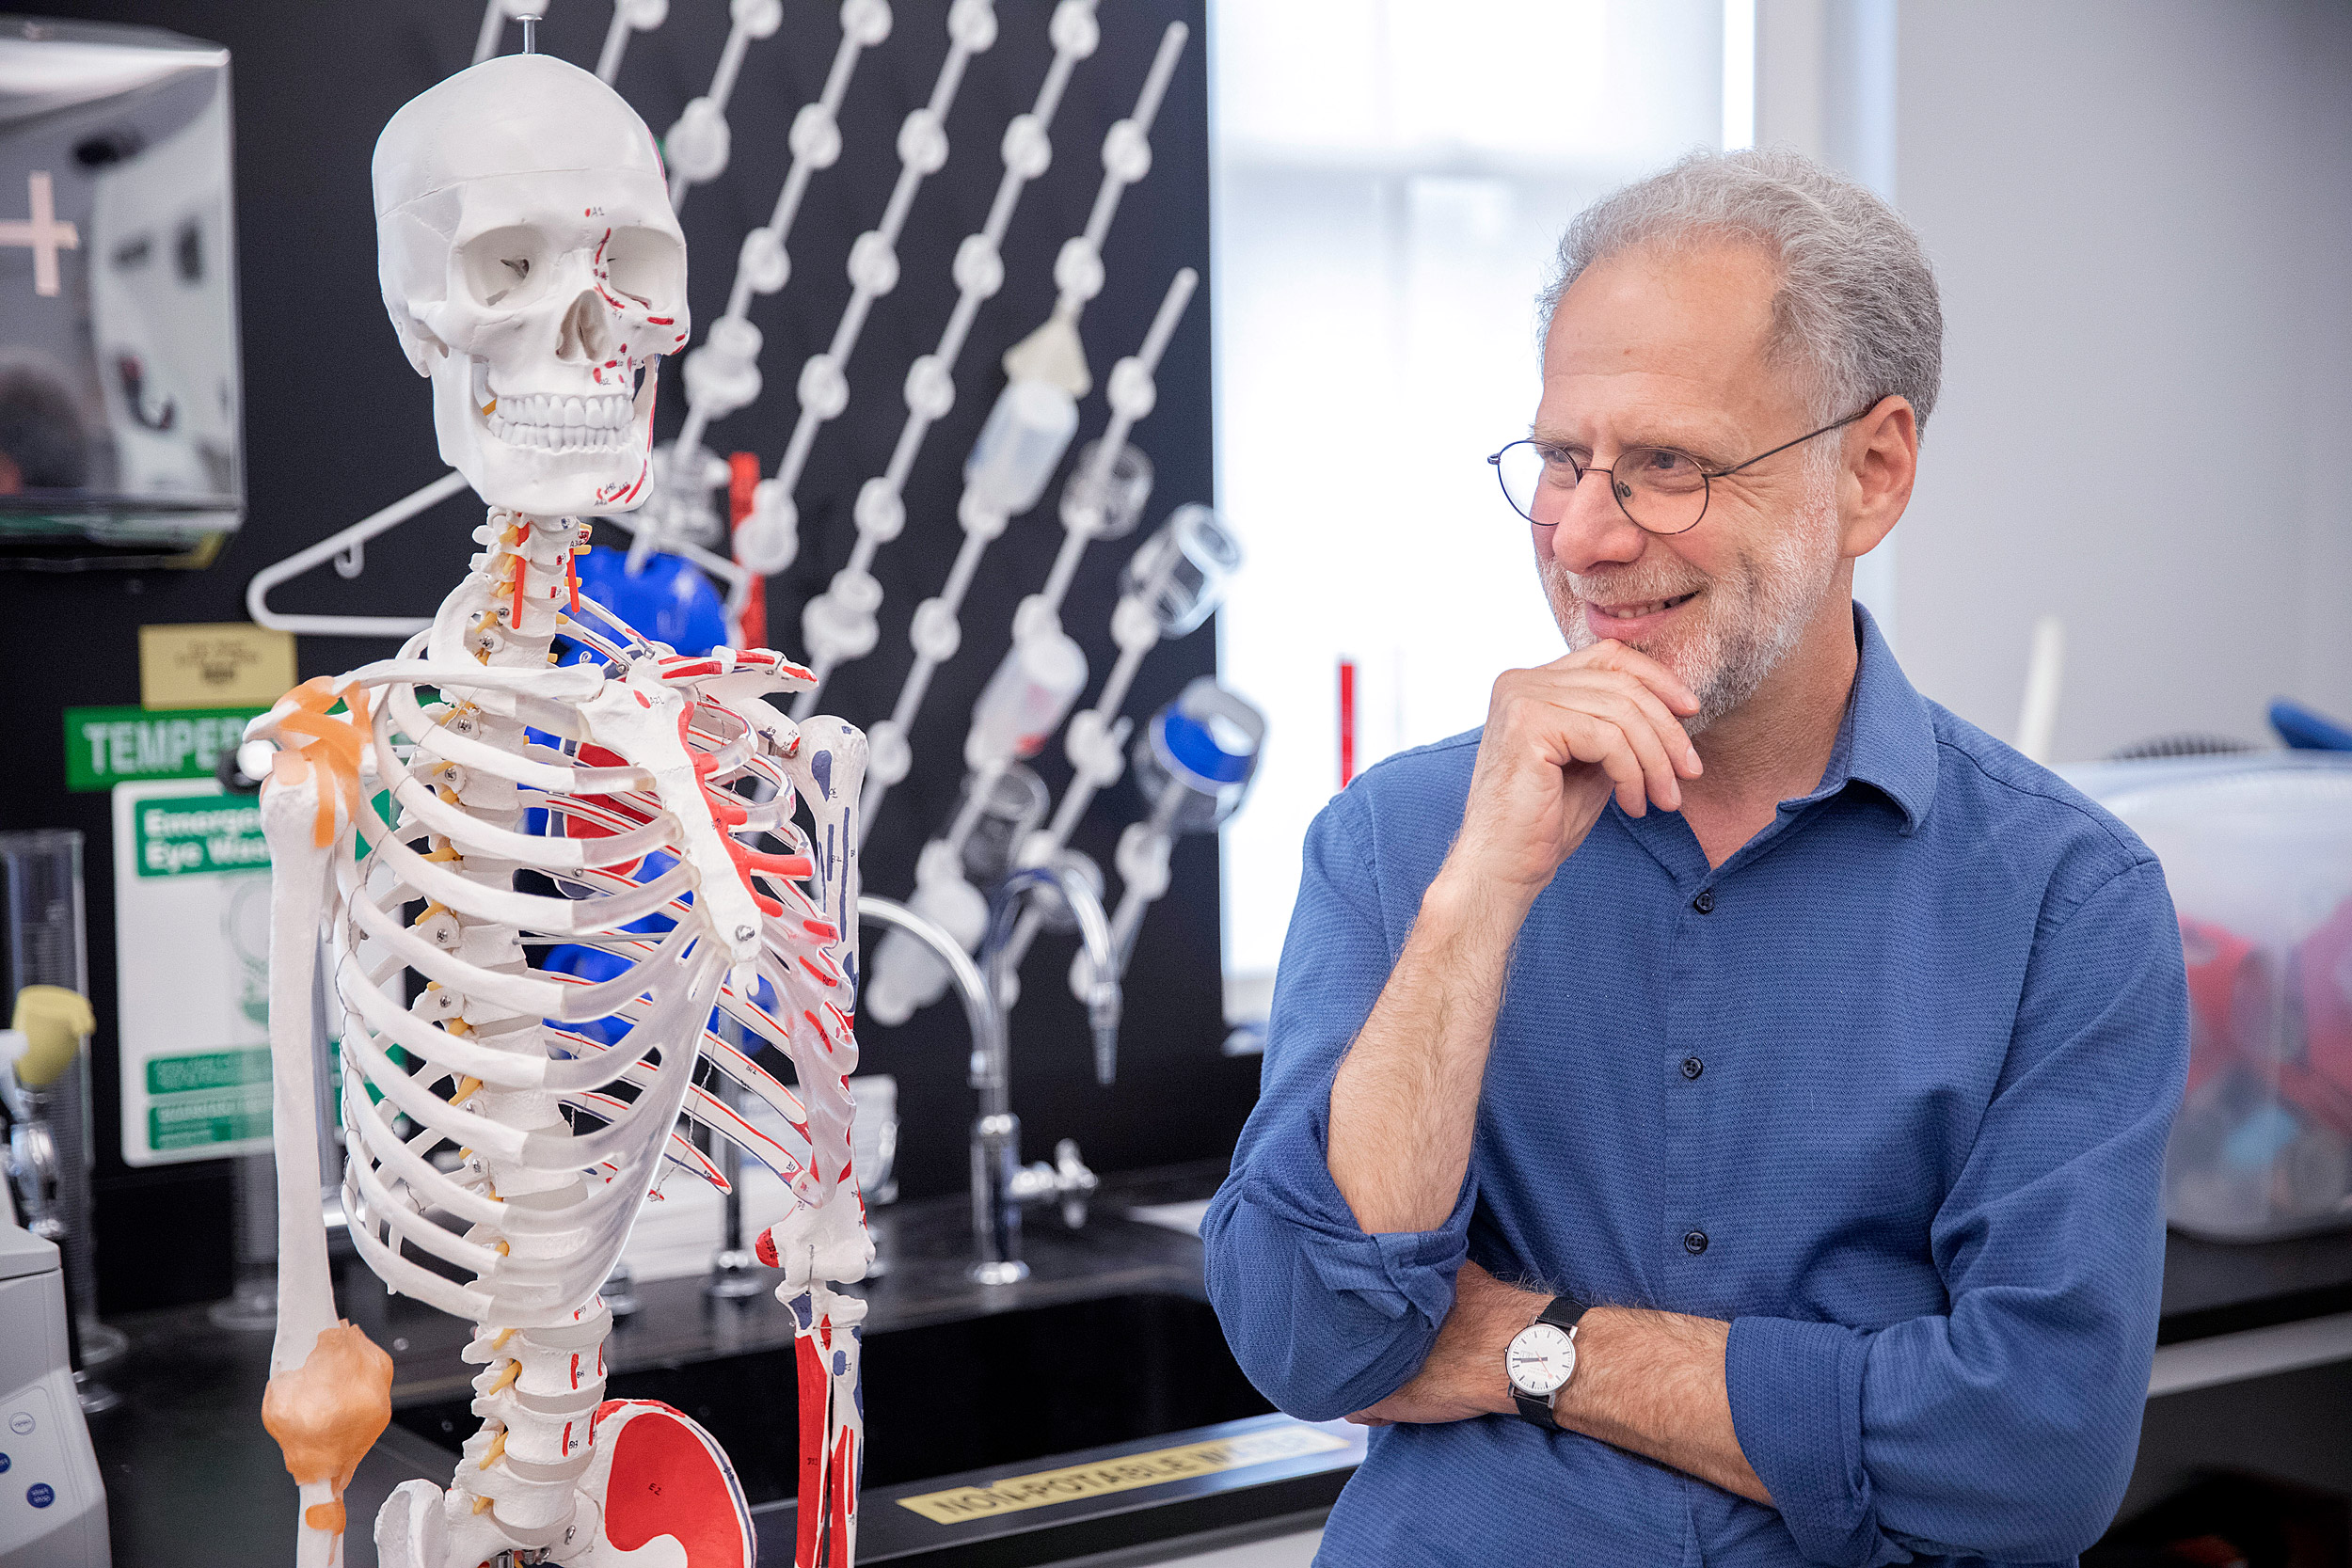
<point x="962" y="1504"/>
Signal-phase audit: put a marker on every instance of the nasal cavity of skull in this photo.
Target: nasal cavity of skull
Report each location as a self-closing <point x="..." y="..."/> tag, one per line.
<point x="587" y="330"/>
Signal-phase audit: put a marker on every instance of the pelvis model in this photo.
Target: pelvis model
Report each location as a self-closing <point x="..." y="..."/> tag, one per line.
<point x="497" y="1150"/>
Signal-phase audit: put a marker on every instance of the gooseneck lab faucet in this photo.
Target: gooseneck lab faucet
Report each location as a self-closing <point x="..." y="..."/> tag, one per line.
<point x="1001" y="1184"/>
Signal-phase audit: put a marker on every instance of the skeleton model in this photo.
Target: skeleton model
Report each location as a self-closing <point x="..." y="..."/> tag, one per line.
<point x="533" y="265"/>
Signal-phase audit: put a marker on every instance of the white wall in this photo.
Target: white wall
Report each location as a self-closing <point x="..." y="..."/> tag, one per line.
<point x="2140" y="211"/>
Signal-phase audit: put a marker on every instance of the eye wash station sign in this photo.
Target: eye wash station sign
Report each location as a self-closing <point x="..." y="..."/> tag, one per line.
<point x="192" y="932"/>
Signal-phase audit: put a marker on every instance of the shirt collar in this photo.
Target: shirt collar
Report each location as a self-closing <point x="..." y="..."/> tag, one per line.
<point x="1888" y="739"/>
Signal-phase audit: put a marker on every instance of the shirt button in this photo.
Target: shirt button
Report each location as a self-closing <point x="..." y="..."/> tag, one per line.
<point x="1694" y="1242"/>
<point x="1705" y="902"/>
<point x="1692" y="1067"/>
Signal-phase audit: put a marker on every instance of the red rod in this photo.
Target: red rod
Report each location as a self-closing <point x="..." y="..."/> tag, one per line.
<point x="1347" y="721"/>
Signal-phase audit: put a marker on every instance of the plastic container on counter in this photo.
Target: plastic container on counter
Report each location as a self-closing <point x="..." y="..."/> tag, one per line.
<point x="2257" y="851"/>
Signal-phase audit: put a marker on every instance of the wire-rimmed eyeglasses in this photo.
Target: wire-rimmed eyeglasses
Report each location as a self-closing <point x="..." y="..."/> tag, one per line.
<point x="1658" y="489"/>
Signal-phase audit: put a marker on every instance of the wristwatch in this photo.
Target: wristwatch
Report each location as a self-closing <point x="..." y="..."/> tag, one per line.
<point x="1542" y="1358"/>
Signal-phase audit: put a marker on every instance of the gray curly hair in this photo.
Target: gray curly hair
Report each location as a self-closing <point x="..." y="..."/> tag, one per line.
<point x="1857" y="307"/>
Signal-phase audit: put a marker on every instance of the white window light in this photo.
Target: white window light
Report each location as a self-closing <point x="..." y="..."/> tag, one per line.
<point x="1389" y="180"/>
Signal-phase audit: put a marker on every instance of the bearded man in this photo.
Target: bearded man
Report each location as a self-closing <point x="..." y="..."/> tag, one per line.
<point x="1715" y="1112"/>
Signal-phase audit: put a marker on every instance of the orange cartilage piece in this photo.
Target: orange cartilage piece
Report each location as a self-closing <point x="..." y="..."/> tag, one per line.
<point x="333" y="741"/>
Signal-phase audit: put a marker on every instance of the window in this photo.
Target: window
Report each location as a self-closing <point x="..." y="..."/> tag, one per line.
<point x="1389" y="181"/>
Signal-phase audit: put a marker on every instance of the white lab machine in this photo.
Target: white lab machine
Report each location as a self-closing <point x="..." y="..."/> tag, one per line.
<point x="53" y="1505"/>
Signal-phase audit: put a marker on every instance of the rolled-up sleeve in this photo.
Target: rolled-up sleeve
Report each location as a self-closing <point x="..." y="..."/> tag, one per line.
<point x="2007" y="1426"/>
<point x="1323" y="1318"/>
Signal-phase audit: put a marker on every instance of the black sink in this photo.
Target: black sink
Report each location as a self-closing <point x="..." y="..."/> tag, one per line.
<point x="947" y="1397"/>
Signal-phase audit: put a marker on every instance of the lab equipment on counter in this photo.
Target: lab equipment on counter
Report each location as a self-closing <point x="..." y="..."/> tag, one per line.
<point x="46" y="982"/>
<point x="2257" y="851"/>
<point x="53" y="1502"/>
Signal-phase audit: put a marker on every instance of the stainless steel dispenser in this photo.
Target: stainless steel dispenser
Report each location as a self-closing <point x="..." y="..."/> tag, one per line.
<point x="122" y="408"/>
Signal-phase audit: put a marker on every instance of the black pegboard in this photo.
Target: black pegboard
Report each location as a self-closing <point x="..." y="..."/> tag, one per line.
<point x="337" y="426"/>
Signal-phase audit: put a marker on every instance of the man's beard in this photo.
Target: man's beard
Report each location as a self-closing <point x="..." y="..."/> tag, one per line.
<point x="1747" y="620"/>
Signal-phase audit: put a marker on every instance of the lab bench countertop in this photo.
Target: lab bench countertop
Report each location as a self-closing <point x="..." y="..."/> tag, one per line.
<point x="192" y="1481"/>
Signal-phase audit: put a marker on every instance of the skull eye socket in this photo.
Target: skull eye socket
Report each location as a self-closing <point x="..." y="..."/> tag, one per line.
<point x="505" y="267"/>
<point x="647" y="266"/>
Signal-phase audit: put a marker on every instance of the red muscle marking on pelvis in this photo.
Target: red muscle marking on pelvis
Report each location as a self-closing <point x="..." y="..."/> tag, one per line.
<point x="666" y="1481"/>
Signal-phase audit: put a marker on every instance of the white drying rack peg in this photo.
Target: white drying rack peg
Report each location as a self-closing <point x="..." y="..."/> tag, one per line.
<point x="839" y="624"/>
<point x="628" y="17"/>
<point x="1132" y="394"/>
<point x="722" y="372"/>
<point x="697" y="145"/>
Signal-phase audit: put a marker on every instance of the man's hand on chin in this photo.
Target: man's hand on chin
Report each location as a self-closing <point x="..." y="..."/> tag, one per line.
<point x="1463" y="1376"/>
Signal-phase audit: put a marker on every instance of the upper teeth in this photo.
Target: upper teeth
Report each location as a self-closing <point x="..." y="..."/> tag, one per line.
<point x="1628" y="611"/>
<point x="552" y="420"/>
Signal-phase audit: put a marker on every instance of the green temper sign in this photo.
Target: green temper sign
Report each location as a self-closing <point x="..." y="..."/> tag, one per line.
<point x="107" y="746"/>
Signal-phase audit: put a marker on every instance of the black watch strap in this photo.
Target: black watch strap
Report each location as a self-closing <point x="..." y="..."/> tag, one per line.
<point x="1561" y="1313"/>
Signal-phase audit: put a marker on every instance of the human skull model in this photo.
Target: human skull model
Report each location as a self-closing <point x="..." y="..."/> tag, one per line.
<point x="535" y="278"/>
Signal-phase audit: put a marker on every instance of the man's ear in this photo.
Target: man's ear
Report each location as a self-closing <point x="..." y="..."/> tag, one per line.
<point x="1882" y="464"/>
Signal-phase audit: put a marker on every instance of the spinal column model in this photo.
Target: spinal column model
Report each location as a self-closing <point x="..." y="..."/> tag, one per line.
<point x="533" y="268"/>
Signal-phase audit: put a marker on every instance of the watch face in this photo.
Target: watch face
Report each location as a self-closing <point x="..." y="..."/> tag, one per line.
<point x="1540" y="1359"/>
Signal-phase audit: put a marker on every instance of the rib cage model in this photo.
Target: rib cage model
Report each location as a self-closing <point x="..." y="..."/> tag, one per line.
<point x="636" y="756"/>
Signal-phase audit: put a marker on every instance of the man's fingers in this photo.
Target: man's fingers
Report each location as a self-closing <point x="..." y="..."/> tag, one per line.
<point x="1649" y="749"/>
<point x="1612" y="655"/>
<point x="1590" y="686"/>
<point x="1671" y="735"/>
<point x="1595" y="740"/>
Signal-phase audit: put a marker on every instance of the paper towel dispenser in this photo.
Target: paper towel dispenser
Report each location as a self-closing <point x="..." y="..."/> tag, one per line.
<point x="122" y="409"/>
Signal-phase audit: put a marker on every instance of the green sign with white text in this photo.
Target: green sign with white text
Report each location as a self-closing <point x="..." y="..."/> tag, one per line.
<point x="198" y="833"/>
<point x="107" y="746"/>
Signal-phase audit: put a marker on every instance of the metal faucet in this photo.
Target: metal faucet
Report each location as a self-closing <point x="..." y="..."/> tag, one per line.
<point x="1001" y="1184"/>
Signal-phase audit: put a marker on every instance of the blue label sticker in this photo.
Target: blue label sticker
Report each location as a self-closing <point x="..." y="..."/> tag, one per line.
<point x="39" y="1495"/>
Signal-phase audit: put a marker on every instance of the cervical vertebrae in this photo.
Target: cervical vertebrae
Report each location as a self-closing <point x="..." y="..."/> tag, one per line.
<point x="490" y="1132"/>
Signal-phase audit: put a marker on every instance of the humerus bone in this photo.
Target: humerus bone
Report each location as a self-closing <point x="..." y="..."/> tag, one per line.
<point x="484" y="1132"/>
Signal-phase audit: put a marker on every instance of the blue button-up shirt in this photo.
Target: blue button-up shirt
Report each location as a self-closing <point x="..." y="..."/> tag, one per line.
<point x="1888" y="1091"/>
